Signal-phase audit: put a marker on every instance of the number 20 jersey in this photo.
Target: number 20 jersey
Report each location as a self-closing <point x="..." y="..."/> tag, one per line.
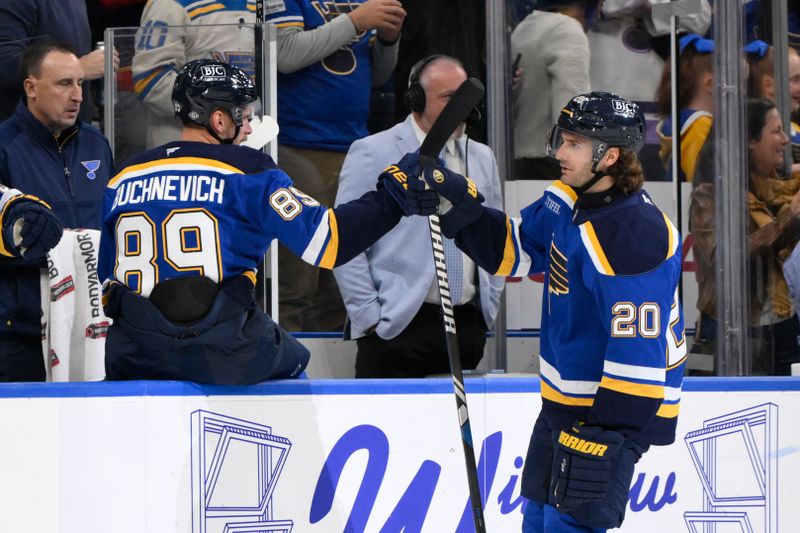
<point x="612" y="348"/>
<point x="188" y="208"/>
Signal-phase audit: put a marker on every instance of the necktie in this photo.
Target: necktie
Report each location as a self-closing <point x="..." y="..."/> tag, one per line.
<point x="453" y="257"/>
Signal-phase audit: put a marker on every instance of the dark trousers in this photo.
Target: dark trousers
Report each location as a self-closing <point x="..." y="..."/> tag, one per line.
<point x="232" y="344"/>
<point x="21" y="359"/>
<point x="420" y="349"/>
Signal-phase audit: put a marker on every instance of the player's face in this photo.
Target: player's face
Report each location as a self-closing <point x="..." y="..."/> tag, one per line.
<point x="55" y="96"/>
<point x="794" y="81"/>
<point x="245" y="130"/>
<point x="767" y="152"/>
<point x="575" y="158"/>
<point x="441" y="81"/>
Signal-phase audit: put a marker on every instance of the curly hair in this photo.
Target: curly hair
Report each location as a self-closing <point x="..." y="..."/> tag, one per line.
<point x="627" y="171"/>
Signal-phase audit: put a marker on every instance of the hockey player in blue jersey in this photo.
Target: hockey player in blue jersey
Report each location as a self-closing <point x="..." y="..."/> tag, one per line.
<point x="185" y="224"/>
<point x="612" y="342"/>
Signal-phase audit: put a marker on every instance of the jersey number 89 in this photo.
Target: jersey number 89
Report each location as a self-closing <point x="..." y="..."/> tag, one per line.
<point x="188" y="240"/>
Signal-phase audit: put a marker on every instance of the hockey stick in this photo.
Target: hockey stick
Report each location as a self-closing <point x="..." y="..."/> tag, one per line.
<point x="461" y="103"/>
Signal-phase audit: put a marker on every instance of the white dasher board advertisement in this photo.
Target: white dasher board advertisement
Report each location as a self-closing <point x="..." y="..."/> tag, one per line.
<point x="371" y="456"/>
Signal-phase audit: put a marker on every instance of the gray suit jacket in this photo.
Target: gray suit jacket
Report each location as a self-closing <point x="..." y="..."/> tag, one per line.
<point x="387" y="284"/>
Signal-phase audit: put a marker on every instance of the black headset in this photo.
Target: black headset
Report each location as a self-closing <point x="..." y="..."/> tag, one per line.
<point x="415" y="95"/>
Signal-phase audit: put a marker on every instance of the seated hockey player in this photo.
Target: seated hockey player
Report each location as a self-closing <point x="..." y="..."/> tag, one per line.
<point x="612" y="344"/>
<point x="185" y="224"/>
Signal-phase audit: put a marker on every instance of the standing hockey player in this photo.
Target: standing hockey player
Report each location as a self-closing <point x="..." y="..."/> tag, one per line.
<point x="185" y="225"/>
<point x="612" y="344"/>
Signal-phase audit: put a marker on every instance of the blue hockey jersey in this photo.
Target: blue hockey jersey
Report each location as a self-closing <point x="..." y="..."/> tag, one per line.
<point x="612" y="347"/>
<point x="323" y="106"/>
<point x="189" y="208"/>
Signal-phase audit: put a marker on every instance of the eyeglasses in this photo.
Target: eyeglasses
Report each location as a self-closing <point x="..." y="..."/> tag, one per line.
<point x="704" y="46"/>
<point x="758" y="48"/>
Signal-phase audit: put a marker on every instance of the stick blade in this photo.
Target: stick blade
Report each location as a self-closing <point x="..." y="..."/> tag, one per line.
<point x="461" y="104"/>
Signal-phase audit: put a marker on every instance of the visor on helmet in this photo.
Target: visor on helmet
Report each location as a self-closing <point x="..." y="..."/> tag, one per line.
<point x="556" y="138"/>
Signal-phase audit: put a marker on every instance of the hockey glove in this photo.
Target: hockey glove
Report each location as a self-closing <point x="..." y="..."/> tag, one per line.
<point x="582" y="465"/>
<point x="462" y="200"/>
<point x="403" y="184"/>
<point x="31" y="228"/>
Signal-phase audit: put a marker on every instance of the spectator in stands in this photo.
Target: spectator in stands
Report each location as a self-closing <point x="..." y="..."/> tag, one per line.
<point x="761" y="84"/>
<point x="48" y="152"/>
<point x="327" y="62"/>
<point x="773" y="208"/>
<point x="24" y="22"/>
<point x="695" y="104"/>
<point x="167" y="41"/>
<point x="630" y="43"/>
<point x="554" y="57"/>
<point x="392" y="297"/>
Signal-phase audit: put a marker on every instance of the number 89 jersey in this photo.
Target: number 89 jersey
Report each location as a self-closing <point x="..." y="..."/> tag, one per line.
<point x="188" y="209"/>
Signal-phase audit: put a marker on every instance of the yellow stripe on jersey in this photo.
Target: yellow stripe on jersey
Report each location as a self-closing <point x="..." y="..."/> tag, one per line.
<point x="549" y="393"/>
<point x="668" y="410"/>
<point x="332" y="249"/>
<point x="509" y="253"/>
<point x="693" y="137"/>
<point x="205" y="9"/>
<point x="249" y="274"/>
<point x="673" y="236"/>
<point x="634" y="389"/>
<point x="566" y="189"/>
<point x="290" y="24"/>
<point x="598" y="255"/>
<point x="140" y="85"/>
<point x="174" y="161"/>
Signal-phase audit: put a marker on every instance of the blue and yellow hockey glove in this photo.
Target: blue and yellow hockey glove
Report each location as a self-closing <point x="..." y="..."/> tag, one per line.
<point x="582" y="465"/>
<point x="463" y="200"/>
<point x="401" y="181"/>
<point x="30" y="228"/>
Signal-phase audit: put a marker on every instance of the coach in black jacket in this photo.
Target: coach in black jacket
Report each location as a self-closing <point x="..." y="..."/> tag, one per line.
<point x="46" y="151"/>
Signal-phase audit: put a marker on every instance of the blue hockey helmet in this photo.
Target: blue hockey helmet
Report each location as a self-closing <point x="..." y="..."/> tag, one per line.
<point x="605" y="118"/>
<point x="205" y="85"/>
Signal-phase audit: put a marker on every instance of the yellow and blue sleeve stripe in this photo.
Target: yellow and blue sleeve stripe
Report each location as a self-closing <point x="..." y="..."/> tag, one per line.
<point x="671" y="405"/>
<point x="515" y="262"/>
<point x="196" y="9"/>
<point x="323" y="247"/>
<point x="576" y="393"/>
<point x="143" y="83"/>
<point x="288" y="21"/>
<point x="633" y="380"/>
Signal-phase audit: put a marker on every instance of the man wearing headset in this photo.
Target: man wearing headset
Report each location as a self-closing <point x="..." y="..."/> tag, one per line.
<point x="390" y="290"/>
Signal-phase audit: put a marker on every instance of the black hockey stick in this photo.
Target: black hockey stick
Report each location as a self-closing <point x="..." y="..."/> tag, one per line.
<point x="461" y="103"/>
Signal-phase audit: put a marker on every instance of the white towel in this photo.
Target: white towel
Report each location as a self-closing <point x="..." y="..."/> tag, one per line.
<point x="74" y="326"/>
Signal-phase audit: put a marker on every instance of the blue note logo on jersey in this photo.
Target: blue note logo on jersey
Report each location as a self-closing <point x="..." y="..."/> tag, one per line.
<point x="343" y="61"/>
<point x="91" y="167"/>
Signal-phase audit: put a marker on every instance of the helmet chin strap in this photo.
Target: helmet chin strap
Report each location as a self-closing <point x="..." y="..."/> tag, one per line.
<point x="220" y="139"/>
<point x="600" y="151"/>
